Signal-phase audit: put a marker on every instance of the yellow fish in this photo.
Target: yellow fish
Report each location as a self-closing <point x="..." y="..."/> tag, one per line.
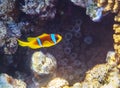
<point x="44" y="40"/>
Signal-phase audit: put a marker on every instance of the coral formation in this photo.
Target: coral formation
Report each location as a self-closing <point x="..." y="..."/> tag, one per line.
<point x="6" y="6"/>
<point x="45" y="8"/>
<point x="10" y="31"/>
<point x="3" y="32"/>
<point x="7" y="81"/>
<point x="57" y="83"/>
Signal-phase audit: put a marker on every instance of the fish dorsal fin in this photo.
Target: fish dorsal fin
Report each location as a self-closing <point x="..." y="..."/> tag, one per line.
<point x="31" y="38"/>
<point x="43" y="35"/>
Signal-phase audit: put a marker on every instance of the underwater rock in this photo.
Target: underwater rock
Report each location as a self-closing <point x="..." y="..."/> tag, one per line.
<point x="43" y="67"/>
<point x="44" y="8"/>
<point x="57" y="83"/>
<point x="7" y="81"/>
<point x="43" y="64"/>
<point x="6" y="6"/>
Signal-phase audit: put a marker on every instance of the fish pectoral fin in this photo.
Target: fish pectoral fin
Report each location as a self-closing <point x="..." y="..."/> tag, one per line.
<point x="47" y="44"/>
<point x="30" y="38"/>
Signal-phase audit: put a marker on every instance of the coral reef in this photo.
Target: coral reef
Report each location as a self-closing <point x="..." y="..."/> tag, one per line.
<point x="76" y="61"/>
<point x="7" y="81"/>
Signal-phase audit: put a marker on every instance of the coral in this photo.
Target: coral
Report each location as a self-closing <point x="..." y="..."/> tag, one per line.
<point x="94" y="12"/>
<point x="109" y="5"/>
<point x="14" y="29"/>
<point x="45" y="8"/>
<point x="99" y="72"/>
<point x="92" y="9"/>
<point x="6" y="6"/>
<point x="43" y="64"/>
<point x="105" y="75"/>
<point x="57" y="83"/>
<point x="113" y="79"/>
<point x="10" y="45"/>
<point x="7" y="81"/>
<point x="79" y="2"/>
<point x="3" y="32"/>
<point x="82" y="3"/>
<point x="116" y="28"/>
<point x="111" y="60"/>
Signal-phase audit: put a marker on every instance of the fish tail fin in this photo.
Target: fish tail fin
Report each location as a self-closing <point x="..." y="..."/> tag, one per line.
<point x="21" y="43"/>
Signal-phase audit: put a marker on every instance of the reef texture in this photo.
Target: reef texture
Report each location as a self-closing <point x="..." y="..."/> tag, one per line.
<point x="6" y="6"/>
<point x="10" y="31"/>
<point x="9" y="82"/>
<point x="43" y="8"/>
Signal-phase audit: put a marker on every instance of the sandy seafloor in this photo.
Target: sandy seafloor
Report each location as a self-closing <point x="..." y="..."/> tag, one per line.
<point x="88" y="54"/>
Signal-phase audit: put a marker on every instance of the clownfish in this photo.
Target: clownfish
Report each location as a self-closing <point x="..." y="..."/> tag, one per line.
<point x="44" y="40"/>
